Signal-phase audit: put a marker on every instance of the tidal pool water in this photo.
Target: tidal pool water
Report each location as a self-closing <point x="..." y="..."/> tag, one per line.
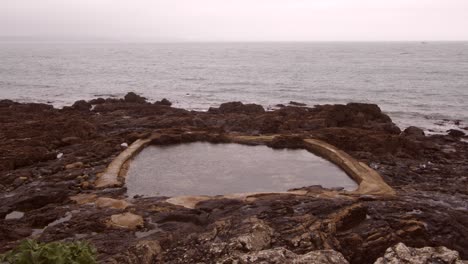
<point x="213" y="169"/>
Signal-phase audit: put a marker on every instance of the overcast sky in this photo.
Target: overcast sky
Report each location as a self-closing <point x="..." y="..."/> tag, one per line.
<point x="236" y="20"/>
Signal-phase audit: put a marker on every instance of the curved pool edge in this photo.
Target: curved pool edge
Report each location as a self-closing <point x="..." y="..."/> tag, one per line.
<point x="369" y="181"/>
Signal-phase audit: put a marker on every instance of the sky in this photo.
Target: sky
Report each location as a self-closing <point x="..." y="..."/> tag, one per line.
<point x="236" y="20"/>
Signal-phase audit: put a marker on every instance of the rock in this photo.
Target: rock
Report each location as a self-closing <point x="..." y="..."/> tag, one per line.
<point x="85" y="185"/>
<point x="258" y="237"/>
<point x="413" y="131"/>
<point x="282" y="255"/>
<point x="164" y="101"/>
<point x="124" y="145"/>
<point x="18" y="181"/>
<point x="111" y="203"/>
<point x="296" y="103"/>
<point x="81" y="105"/>
<point x="132" y="97"/>
<point x="144" y="252"/>
<point x="28" y="155"/>
<point x="455" y="133"/>
<point x="74" y="165"/>
<point x="292" y="142"/>
<point x="97" y="101"/>
<point x="237" y="107"/>
<point x="400" y="253"/>
<point x="84" y="198"/>
<point x="126" y="220"/>
<point x="372" y="110"/>
<point x="71" y="140"/>
<point x="6" y="103"/>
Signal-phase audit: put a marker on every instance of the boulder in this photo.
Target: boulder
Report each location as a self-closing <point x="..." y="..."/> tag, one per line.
<point x="97" y="101"/>
<point x="413" y="131"/>
<point x="132" y="97"/>
<point x="6" y="103"/>
<point x="126" y="220"/>
<point x="281" y="255"/>
<point x="455" y="133"/>
<point x="297" y="103"/>
<point x="82" y="105"/>
<point x="400" y="253"/>
<point x="144" y="252"/>
<point x="237" y="107"/>
<point x="164" y="101"/>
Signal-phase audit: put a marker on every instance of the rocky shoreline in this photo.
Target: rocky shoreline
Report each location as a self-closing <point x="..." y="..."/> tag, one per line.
<point x="51" y="158"/>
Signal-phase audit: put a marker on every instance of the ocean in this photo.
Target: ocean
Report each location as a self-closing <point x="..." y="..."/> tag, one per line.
<point x="416" y="83"/>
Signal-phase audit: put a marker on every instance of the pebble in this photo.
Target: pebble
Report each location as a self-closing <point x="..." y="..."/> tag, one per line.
<point x="59" y="156"/>
<point x="124" y="145"/>
<point x="78" y="164"/>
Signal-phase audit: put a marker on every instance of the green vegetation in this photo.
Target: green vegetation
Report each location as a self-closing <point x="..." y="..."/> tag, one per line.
<point x="32" y="252"/>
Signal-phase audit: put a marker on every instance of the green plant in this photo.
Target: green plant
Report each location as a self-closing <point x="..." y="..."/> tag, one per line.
<point x="32" y="252"/>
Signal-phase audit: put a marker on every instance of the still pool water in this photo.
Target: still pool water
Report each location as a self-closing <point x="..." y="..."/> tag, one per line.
<point x="214" y="169"/>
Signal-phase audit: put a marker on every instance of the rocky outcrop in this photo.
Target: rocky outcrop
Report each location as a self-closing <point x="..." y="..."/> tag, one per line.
<point x="51" y="159"/>
<point x="132" y="97"/>
<point x="164" y="101"/>
<point x="456" y="133"/>
<point x="400" y="253"/>
<point x="81" y="105"/>
<point x="282" y="255"/>
<point x="238" y="107"/>
<point x="413" y="131"/>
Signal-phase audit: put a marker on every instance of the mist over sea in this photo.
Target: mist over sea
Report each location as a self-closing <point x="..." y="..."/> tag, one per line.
<point x="422" y="84"/>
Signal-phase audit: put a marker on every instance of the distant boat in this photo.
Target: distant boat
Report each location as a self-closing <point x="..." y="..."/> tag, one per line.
<point x="423" y="42"/>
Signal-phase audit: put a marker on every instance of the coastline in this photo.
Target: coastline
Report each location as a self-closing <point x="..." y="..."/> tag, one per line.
<point x="428" y="174"/>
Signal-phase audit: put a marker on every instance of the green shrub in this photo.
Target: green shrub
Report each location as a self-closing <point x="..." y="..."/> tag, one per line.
<point x="32" y="252"/>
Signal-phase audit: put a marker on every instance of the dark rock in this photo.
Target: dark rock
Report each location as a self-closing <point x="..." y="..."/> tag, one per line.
<point x="6" y="103"/>
<point x="81" y="105"/>
<point x="71" y="140"/>
<point x="238" y="107"/>
<point x="292" y="142"/>
<point x="164" y="101"/>
<point x="296" y="103"/>
<point x="97" y="101"/>
<point x="132" y="97"/>
<point x="455" y="133"/>
<point x="413" y="131"/>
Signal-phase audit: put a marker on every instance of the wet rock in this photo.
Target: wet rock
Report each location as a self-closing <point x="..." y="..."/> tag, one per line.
<point x="413" y="131"/>
<point x="6" y="103"/>
<point x="237" y="107"/>
<point x="132" y="97"/>
<point x="296" y="103"/>
<point x="164" y="101"/>
<point x="97" y="101"/>
<point x="81" y="105"/>
<point x="456" y="133"/>
<point x="292" y="142"/>
<point x="400" y="253"/>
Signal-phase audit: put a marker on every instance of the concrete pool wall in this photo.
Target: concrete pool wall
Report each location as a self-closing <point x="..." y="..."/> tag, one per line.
<point x="369" y="181"/>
